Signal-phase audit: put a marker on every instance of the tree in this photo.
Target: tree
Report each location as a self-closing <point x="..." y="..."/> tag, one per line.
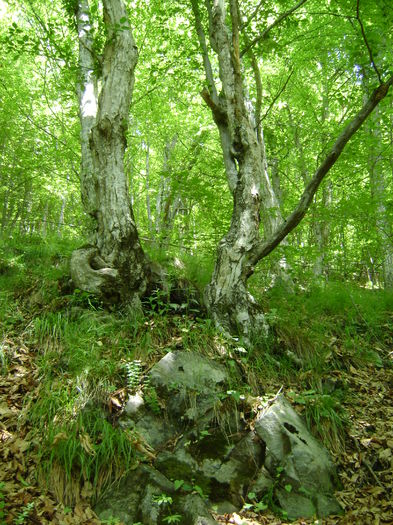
<point x="231" y="305"/>
<point x="114" y="265"/>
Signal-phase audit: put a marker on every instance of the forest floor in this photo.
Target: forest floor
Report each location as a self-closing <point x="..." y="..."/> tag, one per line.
<point x="363" y="453"/>
<point x="365" y="463"/>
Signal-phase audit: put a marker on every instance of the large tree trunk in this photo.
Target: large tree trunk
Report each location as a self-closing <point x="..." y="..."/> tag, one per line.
<point x="114" y="265"/>
<point x="227" y="298"/>
<point x="230" y="304"/>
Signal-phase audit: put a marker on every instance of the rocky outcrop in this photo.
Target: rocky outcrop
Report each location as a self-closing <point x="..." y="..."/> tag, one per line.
<point x="207" y="449"/>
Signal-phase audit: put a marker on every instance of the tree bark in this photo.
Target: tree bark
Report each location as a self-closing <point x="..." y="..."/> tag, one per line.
<point x="114" y="266"/>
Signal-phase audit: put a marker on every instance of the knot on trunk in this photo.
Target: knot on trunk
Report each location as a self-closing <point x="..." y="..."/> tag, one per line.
<point x="90" y="273"/>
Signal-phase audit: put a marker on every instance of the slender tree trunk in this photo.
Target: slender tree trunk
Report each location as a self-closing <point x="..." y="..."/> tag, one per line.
<point x="378" y="189"/>
<point x="44" y="225"/>
<point x="146" y="146"/>
<point x="321" y="228"/>
<point x="165" y="197"/>
<point x="60" y="222"/>
<point x="114" y="266"/>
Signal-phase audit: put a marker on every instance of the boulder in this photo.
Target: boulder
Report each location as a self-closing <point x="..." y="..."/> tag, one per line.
<point x="303" y="464"/>
<point x="202" y="446"/>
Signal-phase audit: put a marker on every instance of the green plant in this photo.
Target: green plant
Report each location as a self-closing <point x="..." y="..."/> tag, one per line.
<point x="2" y="503"/>
<point x="187" y="487"/>
<point x="112" y="521"/>
<point x="85" y="300"/>
<point x="172" y="518"/>
<point x="163" y="499"/>
<point x="256" y="506"/>
<point x="134" y="374"/>
<point x="3" y="358"/>
<point x="26" y="511"/>
<point x="151" y="399"/>
<point x="325" y="415"/>
<point x="85" y="449"/>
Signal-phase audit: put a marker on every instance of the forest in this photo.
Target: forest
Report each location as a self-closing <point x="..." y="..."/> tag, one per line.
<point x="196" y="262"/>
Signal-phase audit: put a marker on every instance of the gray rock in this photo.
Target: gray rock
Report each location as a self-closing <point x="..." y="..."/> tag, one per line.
<point x="155" y="430"/>
<point x="122" y="501"/>
<point x="150" y="510"/>
<point x="195" y="510"/>
<point x="177" y="465"/>
<point x="290" y="445"/>
<point x="295" y="505"/>
<point x="305" y="464"/>
<point x="262" y="483"/>
<point x="188" y="370"/>
<point x="225" y="507"/>
<point x="327" y="505"/>
<point x="200" y="437"/>
<point x="134" y="404"/>
<point x="190" y="384"/>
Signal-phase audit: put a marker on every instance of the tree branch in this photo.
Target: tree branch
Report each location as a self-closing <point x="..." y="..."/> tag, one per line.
<point x="272" y="26"/>
<point x="220" y="117"/>
<point x="205" y="54"/>
<point x="366" y="42"/>
<point x="265" y="247"/>
<point x="252" y="16"/>
<point x="276" y="97"/>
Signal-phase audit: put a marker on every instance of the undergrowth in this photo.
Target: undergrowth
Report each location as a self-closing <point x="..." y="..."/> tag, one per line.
<point x="86" y="357"/>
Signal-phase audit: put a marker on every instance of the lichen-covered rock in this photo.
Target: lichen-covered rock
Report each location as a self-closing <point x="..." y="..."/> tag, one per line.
<point x="204" y="448"/>
<point x="303" y="463"/>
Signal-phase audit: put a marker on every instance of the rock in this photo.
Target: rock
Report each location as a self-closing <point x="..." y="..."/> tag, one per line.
<point x="134" y="404"/>
<point x="224" y="507"/>
<point x="327" y="505"/>
<point x="295" y="505"/>
<point x="132" y="500"/>
<point x="122" y="501"/>
<point x="262" y="483"/>
<point x="188" y="370"/>
<point x="303" y="462"/>
<point x="155" y="430"/>
<point x="201" y="439"/>
<point x="195" y="511"/>
<point x="178" y="464"/>
<point x="149" y="507"/>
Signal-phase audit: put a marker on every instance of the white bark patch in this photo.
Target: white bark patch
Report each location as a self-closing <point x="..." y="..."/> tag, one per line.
<point x="88" y="102"/>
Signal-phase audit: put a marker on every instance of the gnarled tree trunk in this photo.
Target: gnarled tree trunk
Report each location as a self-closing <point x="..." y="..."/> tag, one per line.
<point x="114" y="265"/>
<point x="227" y="298"/>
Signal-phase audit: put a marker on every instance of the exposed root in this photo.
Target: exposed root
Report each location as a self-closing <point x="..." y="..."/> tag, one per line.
<point x="89" y="273"/>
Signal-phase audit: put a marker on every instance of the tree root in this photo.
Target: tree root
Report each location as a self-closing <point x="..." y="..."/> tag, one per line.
<point x="89" y="273"/>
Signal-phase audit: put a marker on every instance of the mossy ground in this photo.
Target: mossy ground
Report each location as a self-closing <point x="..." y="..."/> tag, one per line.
<point x="65" y="363"/>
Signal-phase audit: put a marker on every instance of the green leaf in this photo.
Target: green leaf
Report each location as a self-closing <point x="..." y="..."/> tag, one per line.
<point x="178" y="483"/>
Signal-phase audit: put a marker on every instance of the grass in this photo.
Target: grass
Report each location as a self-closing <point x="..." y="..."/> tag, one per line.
<point x="84" y="354"/>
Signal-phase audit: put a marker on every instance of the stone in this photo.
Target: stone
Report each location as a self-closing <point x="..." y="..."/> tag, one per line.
<point x="134" y="404"/>
<point x="188" y="370"/>
<point x="304" y="463"/>
<point x="295" y="505"/>
<point x="201" y="439"/>
<point x="262" y="484"/>
<point x="195" y="510"/>
<point x="155" y="430"/>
